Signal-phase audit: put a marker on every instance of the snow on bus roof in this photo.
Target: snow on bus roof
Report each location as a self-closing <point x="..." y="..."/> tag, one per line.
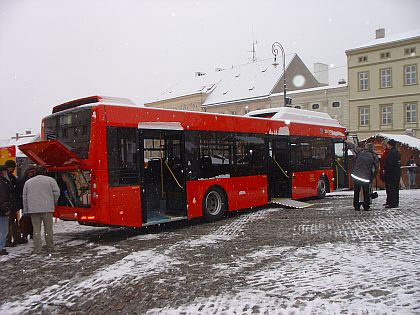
<point x="296" y="115"/>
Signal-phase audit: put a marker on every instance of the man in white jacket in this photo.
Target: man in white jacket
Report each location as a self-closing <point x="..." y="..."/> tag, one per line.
<point x="40" y="194"/>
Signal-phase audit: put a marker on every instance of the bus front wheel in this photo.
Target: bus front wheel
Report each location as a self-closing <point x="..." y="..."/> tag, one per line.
<point x="322" y="188"/>
<point x="214" y="204"/>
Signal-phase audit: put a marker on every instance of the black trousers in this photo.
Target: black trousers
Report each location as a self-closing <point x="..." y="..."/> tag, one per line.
<point x="358" y="185"/>
<point x="393" y="193"/>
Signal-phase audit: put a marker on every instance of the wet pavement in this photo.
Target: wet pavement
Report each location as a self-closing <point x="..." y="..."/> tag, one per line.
<point x="324" y="259"/>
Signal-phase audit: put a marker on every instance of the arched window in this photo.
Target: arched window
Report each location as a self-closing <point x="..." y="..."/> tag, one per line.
<point x="315" y="106"/>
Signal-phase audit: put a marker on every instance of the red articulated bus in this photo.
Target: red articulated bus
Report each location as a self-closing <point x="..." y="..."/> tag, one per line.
<point x="123" y="165"/>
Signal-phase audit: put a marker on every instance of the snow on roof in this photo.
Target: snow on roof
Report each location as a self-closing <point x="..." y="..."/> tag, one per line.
<point x="412" y="142"/>
<point x="201" y="84"/>
<point x="297" y="116"/>
<point x="389" y="39"/>
<point x="246" y="81"/>
<point x="19" y="141"/>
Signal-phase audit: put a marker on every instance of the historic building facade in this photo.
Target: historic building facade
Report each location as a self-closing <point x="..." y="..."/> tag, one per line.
<point x="384" y="92"/>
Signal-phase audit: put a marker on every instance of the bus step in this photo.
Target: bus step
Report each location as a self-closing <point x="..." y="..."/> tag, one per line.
<point x="289" y="203"/>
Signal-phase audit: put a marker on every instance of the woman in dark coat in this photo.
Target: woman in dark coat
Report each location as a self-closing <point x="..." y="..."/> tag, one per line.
<point x="392" y="174"/>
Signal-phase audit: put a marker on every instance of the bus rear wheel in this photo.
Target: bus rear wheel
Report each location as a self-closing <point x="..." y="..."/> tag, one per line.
<point x="214" y="204"/>
<point x="321" y="188"/>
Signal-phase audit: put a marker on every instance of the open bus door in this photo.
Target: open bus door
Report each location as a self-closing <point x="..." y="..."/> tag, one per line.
<point x="341" y="165"/>
<point x="279" y="175"/>
<point x="162" y="176"/>
<point x="343" y="161"/>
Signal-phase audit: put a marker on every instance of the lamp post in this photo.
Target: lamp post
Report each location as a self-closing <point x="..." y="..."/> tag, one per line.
<point x="275" y="51"/>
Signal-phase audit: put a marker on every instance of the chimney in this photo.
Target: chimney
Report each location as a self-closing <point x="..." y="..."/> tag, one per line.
<point x="218" y="69"/>
<point x="199" y="74"/>
<point x="321" y="73"/>
<point x="27" y="132"/>
<point x="380" y="33"/>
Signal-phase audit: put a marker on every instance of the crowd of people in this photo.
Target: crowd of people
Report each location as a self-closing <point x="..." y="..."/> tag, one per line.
<point x="365" y="168"/>
<point x="36" y="195"/>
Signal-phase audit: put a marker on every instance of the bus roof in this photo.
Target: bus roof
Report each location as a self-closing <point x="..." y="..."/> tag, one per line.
<point x="285" y="121"/>
<point x="92" y="100"/>
<point x="296" y="115"/>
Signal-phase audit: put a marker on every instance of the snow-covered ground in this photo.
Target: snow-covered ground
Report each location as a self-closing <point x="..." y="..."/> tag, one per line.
<point x="327" y="259"/>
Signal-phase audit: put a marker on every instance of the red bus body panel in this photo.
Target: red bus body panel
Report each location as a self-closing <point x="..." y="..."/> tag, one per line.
<point x="304" y="184"/>
<point x="52" y="154"/>
<point x="124" y="206"/>
<point x="242" y="192"/>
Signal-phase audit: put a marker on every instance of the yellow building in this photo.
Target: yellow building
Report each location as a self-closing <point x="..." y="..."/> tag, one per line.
<point x="384" y="92"/>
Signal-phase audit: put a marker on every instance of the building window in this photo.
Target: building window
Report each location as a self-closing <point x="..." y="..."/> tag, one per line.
<point x="385" y="78"/>
<point x="315" y="106"/>
<point x="385" y="55"/>
<point x="410" y="74"/>
<point x="363" y="59"/>
<point x="411" y="113"/>
<point x="364" y="116"/>
<point x="386" y="115"/>
<point x="363" y="81"/>
<point x="410" y="51"/>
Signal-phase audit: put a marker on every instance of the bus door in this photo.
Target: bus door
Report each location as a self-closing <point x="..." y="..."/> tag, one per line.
<point x="162" y="175"/>
<point x="279" y="175"/>
<point x="341" y="165"/>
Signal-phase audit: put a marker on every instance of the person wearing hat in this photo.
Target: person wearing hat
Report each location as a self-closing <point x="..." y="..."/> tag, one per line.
<point x="392" y="174"/>
<point x="6" y="205"/>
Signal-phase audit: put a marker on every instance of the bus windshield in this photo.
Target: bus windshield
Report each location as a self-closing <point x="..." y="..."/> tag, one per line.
<point x="72" y="129"/>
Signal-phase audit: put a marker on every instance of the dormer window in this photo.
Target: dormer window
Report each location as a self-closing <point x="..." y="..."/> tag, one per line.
<point x="363" y="59"/>
<point x="410" y="51"/>
<point x="385" y="55"/>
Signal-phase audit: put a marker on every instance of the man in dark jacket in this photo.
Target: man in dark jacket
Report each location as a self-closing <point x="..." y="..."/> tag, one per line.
<point x="14" y="237"/>
<point x="6" y="191"/>
<point x="364" y="170"/>
<point x="392" y="174"/>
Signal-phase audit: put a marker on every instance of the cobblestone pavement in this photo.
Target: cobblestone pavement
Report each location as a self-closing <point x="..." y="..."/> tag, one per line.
<point x="326" y="259"/>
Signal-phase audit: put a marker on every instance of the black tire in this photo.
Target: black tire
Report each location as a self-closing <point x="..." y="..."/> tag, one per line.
<point x="214" y="204"/>
<point x="321" y="188"/>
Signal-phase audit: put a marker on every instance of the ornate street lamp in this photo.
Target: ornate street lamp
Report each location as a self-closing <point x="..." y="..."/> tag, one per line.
<point x="275" y="51"/>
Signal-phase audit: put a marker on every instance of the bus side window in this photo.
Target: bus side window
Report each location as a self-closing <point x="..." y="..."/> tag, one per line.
<point x="122" y="156"/>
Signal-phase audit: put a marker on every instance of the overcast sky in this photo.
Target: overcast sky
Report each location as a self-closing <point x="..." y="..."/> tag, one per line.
<point x="55" y="51"/>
